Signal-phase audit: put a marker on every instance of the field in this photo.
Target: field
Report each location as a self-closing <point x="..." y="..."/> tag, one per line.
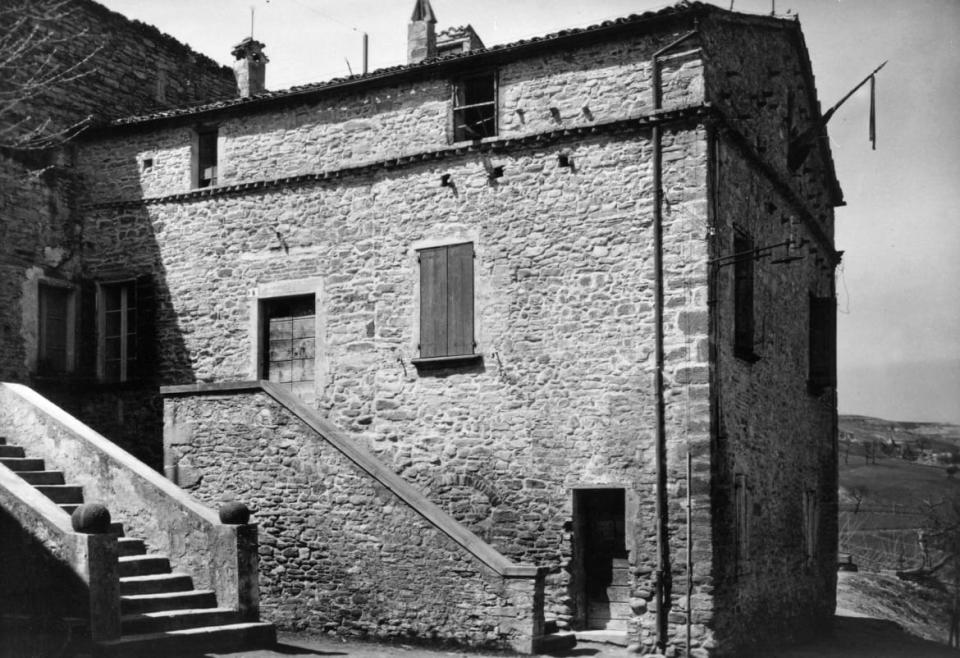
<point x="891" y="475"/>
<point x="894" y="476"/>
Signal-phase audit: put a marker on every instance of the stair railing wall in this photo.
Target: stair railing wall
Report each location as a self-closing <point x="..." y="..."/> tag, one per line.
<point x="220" y="557"/>
<point x="221" y="421"/>
<point x="91" y="558"/>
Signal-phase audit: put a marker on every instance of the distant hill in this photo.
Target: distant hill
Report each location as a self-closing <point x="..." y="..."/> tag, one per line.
<point x="931" y="437"/>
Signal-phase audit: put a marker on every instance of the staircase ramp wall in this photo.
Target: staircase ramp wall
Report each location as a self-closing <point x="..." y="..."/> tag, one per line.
<point x="220" y="557"/>
<point x="347" y="546"/>
<point x="49" y="571"/>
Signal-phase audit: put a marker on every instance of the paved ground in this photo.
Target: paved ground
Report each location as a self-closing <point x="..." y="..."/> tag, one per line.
<point x="300" y="645"/>
<point x="853" y="637"/>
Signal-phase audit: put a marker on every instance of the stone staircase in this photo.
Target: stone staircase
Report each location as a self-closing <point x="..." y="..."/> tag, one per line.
<point x="161" y="612"/>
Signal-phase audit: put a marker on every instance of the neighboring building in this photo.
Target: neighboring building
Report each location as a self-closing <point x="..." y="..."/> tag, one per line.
<point x="577" y="291"/>
<point x="117" y="67"/>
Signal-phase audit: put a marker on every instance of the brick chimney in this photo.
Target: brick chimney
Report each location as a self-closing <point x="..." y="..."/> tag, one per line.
<point x="422" y="34"/>
<point x="250" y="67"/>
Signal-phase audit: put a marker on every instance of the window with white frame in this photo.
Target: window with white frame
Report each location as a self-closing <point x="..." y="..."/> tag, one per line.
<point x="117" y="331"/>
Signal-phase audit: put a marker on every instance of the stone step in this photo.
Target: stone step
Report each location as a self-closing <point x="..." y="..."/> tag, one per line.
<point x="22" y="464"/>
<point x="556" y="642"/>
<point x="192" y="641"/>
<point x="171" y="620"/>
<point x="156" y="583"/>
<point x="127" y="546"/>
<point x="116" y="528"/>
<point x="142" y="565"/>
<point x="3" y="440"/>
<point x="131" y="604"/>
<point x="42" y="477"/>
<point x="64" y="494"/>
<point x="70" y="507"/>
<point x="11" y="451"/>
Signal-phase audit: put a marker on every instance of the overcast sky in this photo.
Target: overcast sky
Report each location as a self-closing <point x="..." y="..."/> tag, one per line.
<point x="899" y="322"/>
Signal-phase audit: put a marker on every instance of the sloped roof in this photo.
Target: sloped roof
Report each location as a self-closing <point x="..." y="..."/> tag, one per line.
<point x="456" y="60"/>
<point x="451" y="63"/>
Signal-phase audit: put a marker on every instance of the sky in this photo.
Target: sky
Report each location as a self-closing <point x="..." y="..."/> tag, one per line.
<point x="899" y="284"/>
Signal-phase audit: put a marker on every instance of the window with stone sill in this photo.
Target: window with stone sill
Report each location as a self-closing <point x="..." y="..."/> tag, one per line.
<point x="55" y="330"/>
<point x="205" y="157"/>
<point x="288" y="352"/>
<point x="475" y="107"/>
<point x="117" y="332"/>
<point x="446" y="303"/>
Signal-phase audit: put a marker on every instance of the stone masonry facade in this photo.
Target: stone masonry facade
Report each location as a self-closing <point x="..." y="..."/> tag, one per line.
<point x="332" y="193"/>
<point x="340" y="553"/>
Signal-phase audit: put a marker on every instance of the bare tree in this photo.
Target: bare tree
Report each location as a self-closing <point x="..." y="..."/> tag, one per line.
<point x="858" y="494"/>
<point x="35" y="61"/>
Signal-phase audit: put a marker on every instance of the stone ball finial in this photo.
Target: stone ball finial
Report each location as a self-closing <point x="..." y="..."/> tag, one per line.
<point x="234" y="513"/>
<point x="91" y="519"/>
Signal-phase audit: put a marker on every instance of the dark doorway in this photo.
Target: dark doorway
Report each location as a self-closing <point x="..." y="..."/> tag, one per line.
<point x="600" y="539"/>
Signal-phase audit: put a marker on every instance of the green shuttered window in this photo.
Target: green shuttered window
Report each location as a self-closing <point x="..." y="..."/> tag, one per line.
<point x="446" y="301"/>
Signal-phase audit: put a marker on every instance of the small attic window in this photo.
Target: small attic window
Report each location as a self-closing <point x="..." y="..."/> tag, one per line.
<point x="475" y="107"/>
<point x="206" y="157"/>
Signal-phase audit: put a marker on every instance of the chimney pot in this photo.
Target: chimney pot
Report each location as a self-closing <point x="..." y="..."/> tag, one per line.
<point x="250" y="67"/>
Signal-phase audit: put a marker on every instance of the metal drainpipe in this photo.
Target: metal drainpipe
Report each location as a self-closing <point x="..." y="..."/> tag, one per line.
<point x="663" y="559"/>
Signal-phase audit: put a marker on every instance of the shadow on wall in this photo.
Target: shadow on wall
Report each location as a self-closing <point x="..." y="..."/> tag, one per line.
<point x="123" y="291"/>
<point x="36" y="585"/>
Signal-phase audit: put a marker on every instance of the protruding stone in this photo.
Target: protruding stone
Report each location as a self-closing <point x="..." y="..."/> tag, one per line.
<point x="234" y="513"/>
<point x="91" y="519"/>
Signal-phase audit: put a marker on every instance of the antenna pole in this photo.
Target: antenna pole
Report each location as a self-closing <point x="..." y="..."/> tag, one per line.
<point x="366" y="51"/>
<point x="251" y="21"/>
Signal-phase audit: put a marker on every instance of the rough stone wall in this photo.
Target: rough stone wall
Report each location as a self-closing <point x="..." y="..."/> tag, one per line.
<point x="340" y="553"/>
<point x="38" y="238"/>
<point x="132" y="67"/>
<point x="563" y="396"/>
<point x="771" y="429"/>
<point x="754" y="75"/>
<point x="586" y="86"/>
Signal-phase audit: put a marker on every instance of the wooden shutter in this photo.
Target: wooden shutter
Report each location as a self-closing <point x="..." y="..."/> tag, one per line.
<point x="433" y="302"/>
<point x="822" y="344"/>
<point x="144" y="361"/>
<point x="446" y="301"/>
<point x="87" y="330"/>
<point x="460" y="299"/>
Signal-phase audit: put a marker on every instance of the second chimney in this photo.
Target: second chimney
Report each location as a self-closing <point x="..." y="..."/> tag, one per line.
<point x="422" y="34"/>
<point x="250" y="67"/>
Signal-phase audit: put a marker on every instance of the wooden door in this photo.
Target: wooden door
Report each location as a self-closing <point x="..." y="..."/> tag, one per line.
<point x="602" y="540"/>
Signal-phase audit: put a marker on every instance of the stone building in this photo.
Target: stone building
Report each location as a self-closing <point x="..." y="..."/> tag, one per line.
<point x="504" y="341"/>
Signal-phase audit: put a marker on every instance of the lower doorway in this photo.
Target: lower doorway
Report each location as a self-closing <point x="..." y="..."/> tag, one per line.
<point x="602" y="577"/>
